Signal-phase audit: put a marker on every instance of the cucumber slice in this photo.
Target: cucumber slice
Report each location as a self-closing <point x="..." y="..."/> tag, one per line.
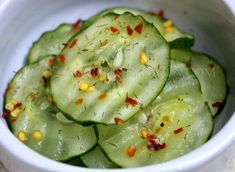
<point x="181" y="55"/>
<point x="174" y="36"/>
<point x="51" y="42"/>
<point x="212" y="79"/>
<point x="177" y="122"/>
<point x="76" y="162"/>
<point x="111" y="71"/>
<point x="97" y="159"/>
<point x="33" y="117"/>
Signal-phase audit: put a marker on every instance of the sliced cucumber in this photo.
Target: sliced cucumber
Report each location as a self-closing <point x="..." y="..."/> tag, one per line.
<point x="212" y="80"/>
<point x="97" y="159"/>
<point x="51" y="42"/>
<point x="181" y="55"/>
<point x="177" y="122"/>
<point x="176" y="38"/>
<point x="111" y="72"/>
<point x="33" y="117"/>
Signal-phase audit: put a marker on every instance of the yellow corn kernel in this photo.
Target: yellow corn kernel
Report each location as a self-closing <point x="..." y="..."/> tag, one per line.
<point x="102" y="77"/>
<point x="46" y="74"/>
<point x="37" y="135"/>
<point x="144" y="133"/>
<point x="143" y="58"/>
<point x="9" y="106"/>
<point x="168" y="23"/>
<point x="92" y="88"/>
<point x="14" y="102"/>
<point x="15" y="112"/>
<point x="165" y="118"/>
<point x="169" y="29"/>
<point x="84" y="86"/>
<point x="22" y="136"/>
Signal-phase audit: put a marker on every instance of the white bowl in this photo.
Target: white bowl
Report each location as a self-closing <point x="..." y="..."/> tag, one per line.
<point x="211" y="21"/>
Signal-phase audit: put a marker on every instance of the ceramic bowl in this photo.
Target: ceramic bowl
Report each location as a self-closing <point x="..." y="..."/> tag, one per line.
<point x="211" y="21"/>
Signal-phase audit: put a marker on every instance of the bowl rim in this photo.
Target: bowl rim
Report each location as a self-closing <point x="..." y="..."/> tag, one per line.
<point x="224" y="137"/>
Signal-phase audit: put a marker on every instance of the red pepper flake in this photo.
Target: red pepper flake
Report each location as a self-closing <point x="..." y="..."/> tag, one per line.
<point x="139" y="27"/>
<point x="155" y="145"/>
<point x="151" y="136"/>
<point x="118" y="79"/>
<point x="179" y="130"/>
<point x="52" y="61"/>
<point x="131" y="150"/>
<point x="13" y="120"/>
<point x="217" y="105"/>
<point x="188" y="64"/>
<point x="94" y="72"/>
<point x="118" y="71"/>
<point x="113" y="29"/>
<point x="160" y="13"/>
<point x="18" y="105"/>
<point x="79" y="101"/>
<point x="73" y="43"/>
<point x="131" y="101"/>
<point x="129" y="30"/>
<point x="118" y="121"/>
<point x="78" y="74"/>
<point x="102" y="96"/>
<point x="76" y="26"/>
<point x="211" y="65"/>
<point x="5" y="113"/>
<point x="62" y="58"/>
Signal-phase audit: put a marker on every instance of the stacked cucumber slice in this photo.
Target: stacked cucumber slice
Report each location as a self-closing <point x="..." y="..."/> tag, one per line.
<point x="122" y="89"/>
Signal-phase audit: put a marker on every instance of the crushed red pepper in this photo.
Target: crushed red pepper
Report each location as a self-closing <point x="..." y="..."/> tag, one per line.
<point x="160" y="13"/>
<point x="118" y="79"/>
<point x="155" y="145"/>
<point x="13" y="120"/>
<point x="129" y="30"/>
<point x="62" y="59"/>
<point x="113" y="29"/>
<point x="131" y="150"/>
<point x="5" y="113"/>
<point x="18" y="105"/>
<point x="94" y="72"/>
<point x="188" y="64"/>
<point x="73" y="43"/>
<point x="52" y="61"/>
<point x="79" y="101"/>
<point x="102" y="96"/>
<point x="179" y="130"/>
<point x="118" y="121"/>
<point x="151" y="136"/>
<point x="139" y="27"/>
<point x="118" y="71"/>
<point x="78" y="74"/>
<point x="76" y="26"/>
<point x="131" y="101"/>
<point x="211" y="65"/>
<point x="217" y="105"/>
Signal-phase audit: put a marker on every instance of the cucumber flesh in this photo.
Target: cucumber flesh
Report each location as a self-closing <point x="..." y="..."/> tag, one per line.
<point x="212" y="79"/>
<point x="174" y="36"/>
<point x="51" y="42"/>
<point x="36" y="122"/>
<point x="177" y="122"/>
<point x="117" y="55"/>
<point x="97" y="159"/>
